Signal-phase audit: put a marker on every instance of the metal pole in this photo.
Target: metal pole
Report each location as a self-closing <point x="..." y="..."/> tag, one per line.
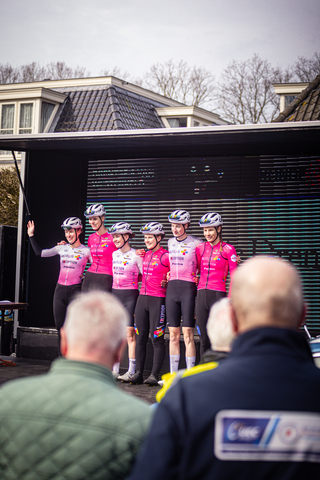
<point x="21" y="185"/>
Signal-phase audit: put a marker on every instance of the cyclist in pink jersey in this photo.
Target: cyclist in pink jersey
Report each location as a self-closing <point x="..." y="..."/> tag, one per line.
<point x="73" y="259"/>
<point x="214" y="259"/>
<point x="150" y="308"/>
<point x="182" y="289"/>
<point x="99" y="275"/>
<point x="127" y="266"/>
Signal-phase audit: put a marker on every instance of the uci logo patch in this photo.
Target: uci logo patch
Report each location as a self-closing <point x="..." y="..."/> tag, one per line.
<point x="267" y="436"/>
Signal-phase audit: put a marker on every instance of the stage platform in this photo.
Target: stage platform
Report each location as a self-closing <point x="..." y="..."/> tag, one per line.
<point x="36" y="348"/>
<point x="26" y="367"/>
<point x="42" y="344"/>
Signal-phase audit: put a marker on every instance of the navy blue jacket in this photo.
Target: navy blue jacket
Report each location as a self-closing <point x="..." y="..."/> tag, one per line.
<point x="269" y="369"/>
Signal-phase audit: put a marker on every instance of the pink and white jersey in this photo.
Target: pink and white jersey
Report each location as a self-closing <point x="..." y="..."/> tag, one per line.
<point x="126" y="268"/>
<point x="183" y="261"/>
<point x="102" y="248"/>
<point x="73" y="261"/>
<point x="155" y="267"/>
<point x="214" y="266"/>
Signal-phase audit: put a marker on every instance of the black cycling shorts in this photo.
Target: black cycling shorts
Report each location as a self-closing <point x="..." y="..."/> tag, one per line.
<point x="128" y="298"/>
<point x="180" y="302"/>
<point x="205" y="299"/>
<point x="97" y="281"/>
<point x="63" y="295"/>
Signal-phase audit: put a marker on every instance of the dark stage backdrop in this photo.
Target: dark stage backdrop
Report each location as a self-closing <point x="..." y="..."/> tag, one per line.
<point x="269" y="205"/>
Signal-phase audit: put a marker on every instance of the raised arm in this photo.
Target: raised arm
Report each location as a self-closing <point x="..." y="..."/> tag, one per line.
<point x="34" y="244"/>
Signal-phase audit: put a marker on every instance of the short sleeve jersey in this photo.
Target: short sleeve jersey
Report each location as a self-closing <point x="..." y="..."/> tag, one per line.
<point x="214" y="265"/>
<point x="102" y="248"/>
<point x="126" y="268"/>
<point x="183" y="262"/>
<point x="73" y="261"/>
<point x="155" y="267"/>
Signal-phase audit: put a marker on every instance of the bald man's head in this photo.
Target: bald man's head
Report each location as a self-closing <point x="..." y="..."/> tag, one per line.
<point x="267" y="291"/>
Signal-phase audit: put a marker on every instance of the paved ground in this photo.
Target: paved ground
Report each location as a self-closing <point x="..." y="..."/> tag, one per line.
<point x="26" y="367"/>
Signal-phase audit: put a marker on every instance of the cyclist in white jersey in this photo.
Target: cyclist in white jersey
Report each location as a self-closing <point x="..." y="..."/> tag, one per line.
<point x="182" y="289"/>
<point x="126" y="267"/>
<point x="73" y="259"/>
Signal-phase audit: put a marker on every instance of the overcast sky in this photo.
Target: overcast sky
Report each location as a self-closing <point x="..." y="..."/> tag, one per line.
<point x="134" y="34"/>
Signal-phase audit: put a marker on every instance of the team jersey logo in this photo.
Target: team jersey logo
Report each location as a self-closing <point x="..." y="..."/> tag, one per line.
<point x="184" y="251"/>
<point x="77" y="257"/>
<point x="233" y="258"/>
<point x="125" y="263"/>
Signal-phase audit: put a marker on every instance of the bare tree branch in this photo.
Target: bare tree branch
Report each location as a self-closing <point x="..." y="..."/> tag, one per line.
<point x="246" y="94"/>
<point x="115" y="72"/>
<point x="34" y="72"/>
<point x="306" y="70"/>
<point x="8" y="74"/>
<point x="179" y="81"/>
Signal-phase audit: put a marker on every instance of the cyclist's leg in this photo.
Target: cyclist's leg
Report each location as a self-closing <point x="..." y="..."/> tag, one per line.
<point x="173" y="313"/>
<point x="202" y="313"/>
<point x="157" y="328"/>
<point x="142" y="330"/>
<point x="188" y="294"/>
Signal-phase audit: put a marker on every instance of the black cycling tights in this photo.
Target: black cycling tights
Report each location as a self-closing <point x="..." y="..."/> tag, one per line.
<point x="204" y="301"/>
<point x="150" y="316"/>
<point x="63" y="295"/>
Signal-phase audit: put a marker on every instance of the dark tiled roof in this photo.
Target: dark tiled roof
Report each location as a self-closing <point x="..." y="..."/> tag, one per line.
<point x="105" y="108"/>
<point x="305" y="107"/>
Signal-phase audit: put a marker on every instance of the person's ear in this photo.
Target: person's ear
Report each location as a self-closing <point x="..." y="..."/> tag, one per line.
<point x="63" y="343"/>
<point x="303" y="316"/>
<point x="235" y="325"/>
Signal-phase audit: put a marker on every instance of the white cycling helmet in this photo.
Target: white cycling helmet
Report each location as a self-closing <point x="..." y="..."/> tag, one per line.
<point x="179" y="216"/>
<point x="72" y="222"/>
<point x="152" y="228"/>
<point x="121" y="227"/>
<point x="211" y="219"/>
<point x="96" y="210"/>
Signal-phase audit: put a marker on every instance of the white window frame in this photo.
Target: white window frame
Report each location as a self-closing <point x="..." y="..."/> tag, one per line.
<point x="17" y="109"/>
<point x="54" y="111"/>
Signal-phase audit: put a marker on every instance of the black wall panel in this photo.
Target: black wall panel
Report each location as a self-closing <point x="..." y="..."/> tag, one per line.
<point x="56" y="186"/>
<point x="270" y="205"/>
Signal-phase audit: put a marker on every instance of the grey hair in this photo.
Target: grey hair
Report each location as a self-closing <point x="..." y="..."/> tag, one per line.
<point x="96" y="320"/>
<point x="219" y="327"/>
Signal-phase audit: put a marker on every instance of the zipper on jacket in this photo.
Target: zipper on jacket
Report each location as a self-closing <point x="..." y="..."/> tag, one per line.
<point x="98" y="261"/>
<point x="209" y="267"/>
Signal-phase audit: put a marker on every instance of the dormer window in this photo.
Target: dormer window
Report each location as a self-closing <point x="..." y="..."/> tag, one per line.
<point x="177" y="122"/>
<point x="46" y="112"/>
<point x="288" y="99"/>
<point x="183" y="116"/>
<point x="25" y="111"/>
<point x="25" y="121"/>
<point x="7" y="119"/>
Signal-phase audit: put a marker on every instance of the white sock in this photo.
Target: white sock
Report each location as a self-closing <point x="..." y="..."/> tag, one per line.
<point x="132" y="366"/>
<point x="174" y="363"/>
<point x="190" y="361"/>
<point x="116" y="367"/>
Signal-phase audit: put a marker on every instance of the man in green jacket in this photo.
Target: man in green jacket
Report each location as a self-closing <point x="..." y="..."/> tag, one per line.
<point x="73" y="422"/>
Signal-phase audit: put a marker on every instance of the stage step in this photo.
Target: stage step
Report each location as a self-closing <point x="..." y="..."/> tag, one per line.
<point x="42" y="344"/>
